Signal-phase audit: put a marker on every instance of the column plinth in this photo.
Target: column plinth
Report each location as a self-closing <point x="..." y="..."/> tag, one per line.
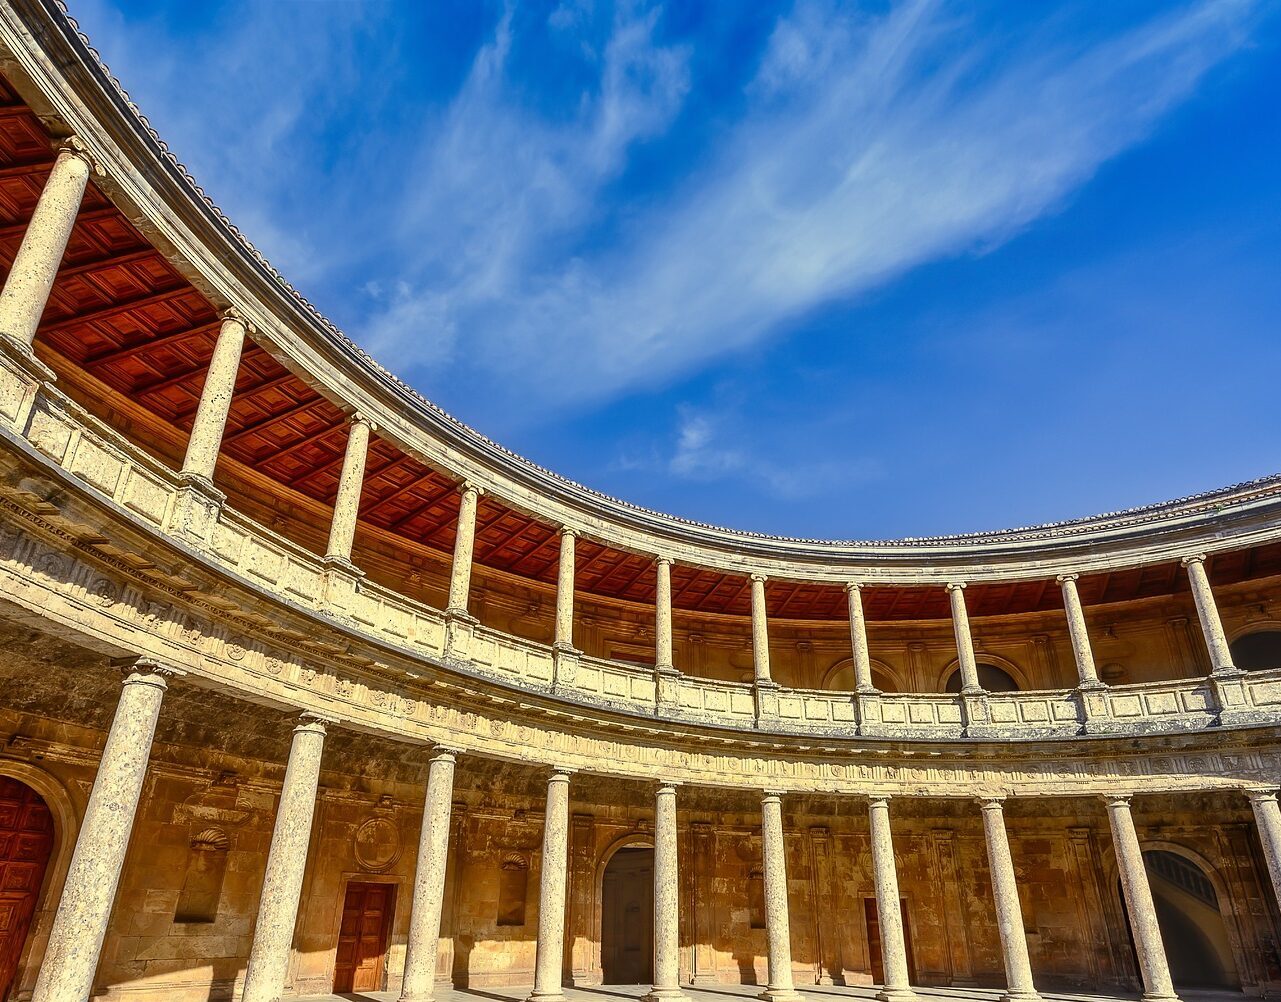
<point x="550" y="956"/>
<point x="286" y="864"/>
<point x="80" y="924"/>
<point x="1153" y="967"/>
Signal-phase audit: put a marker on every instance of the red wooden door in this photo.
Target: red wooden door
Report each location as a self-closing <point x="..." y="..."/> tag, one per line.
<point x="26" y="840"/>
<point x="874" y="941"/>
<point x="362" y="938"/>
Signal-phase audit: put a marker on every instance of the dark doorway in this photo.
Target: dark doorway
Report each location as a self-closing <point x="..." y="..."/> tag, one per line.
<point x="26" y="842"/>
<point x="874" y="941"/>
<point x="627" y="918"/>
<point x="361" y="962"/>
<point x="1193" y="932"/>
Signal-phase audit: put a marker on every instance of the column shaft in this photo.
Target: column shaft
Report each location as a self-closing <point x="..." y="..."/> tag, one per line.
<point x="26" y="290"/>
<point x="1009" y="913"/>
<point x="778" y="931"/>
<point x="286" y="864"/>
<point x="1157" y="985"/>
<point x="1207" y="611"/>
<point x="858" y="640"/>
<point x="342" y="530"/>
<point x="565" y="591"/>
<point x="464" y="547"/>
<point x="1267" y="817"/>
<point x="888" y="909"/>
<point x="667" y="941"/>
<point x="663" y="657"/>
<point x="429" y="881"/>
<point x="964" y="642"/>
<point x="71" y="957"/>
<point x="760" y="632"/>
<point x="215" y="403"/>
<point x="1082" y="654"/>
<point x="549" y="959"/>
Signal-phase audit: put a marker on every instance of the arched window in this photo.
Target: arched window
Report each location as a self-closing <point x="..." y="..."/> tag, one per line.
<point x="991" y="678"/>
<point x="1260" y="649"/>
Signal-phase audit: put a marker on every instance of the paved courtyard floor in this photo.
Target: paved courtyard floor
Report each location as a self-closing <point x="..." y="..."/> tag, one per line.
<point x="812" y="993"/>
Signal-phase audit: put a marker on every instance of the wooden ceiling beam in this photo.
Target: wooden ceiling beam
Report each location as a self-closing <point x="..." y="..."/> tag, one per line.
<point x="116" y="309"/>
<point x="19" y="229"/>
<point x="140" y="347"/>
<point x="404" y="489"/>
<point x="267" y="422"/>
<point x="302" y="443"/>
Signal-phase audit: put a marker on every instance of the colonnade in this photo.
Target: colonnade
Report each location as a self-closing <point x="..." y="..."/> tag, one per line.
<point x="22" y="303"/>
<point x="81" y="921"/>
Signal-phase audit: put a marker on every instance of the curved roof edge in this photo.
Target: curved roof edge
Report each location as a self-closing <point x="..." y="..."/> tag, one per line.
<point x="462" y="442"/>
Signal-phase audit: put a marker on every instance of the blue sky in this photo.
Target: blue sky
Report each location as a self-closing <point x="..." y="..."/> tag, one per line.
<point x="840" y="270"/>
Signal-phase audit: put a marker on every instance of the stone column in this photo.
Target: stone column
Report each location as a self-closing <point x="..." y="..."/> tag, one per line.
<point x="550" y="957"/>
<point x="26" y="290"/>
<point x="215" y="403"/>
<point x="663" y="659"/>
<point x="760" y="632"/>
<point x="667" y="941"/>
<point x="1208" y="612"/>
<point x="964" y="642"/>
<point x="286" y="864"/>
<point x="1009" y="913"/>
<point x="71" y="957"/>
<point x="888" y="908"/>
<point x="1087" y="675"/>
<point x="464" y="547"/>
<point x="429" y="880"/>
<point x="342" y="530"/>
<point x="778" y="932"/>
<point x="1267" y="817"/>
<point x="1157" y="986"/>
<point x="565" y="592"/>
<point x="858" y="641"/>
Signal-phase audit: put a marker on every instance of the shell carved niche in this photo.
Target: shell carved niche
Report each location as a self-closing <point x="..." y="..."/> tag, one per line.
<point x="377" y="844"/>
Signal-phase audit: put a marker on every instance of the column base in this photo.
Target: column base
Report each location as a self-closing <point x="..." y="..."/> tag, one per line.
<point x="896" y="995"/>
<point x="1148" y="997"/>
<point x="665" y="995"/>
<point x="1009" y="996"/>
<point x="779" y="995"/>
<point x="554" y="996"/>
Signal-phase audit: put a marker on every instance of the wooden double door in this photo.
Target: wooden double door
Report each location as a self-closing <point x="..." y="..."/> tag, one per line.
<point x="874" y="941"/>
<point x="26" y="841"/>
<point x="361" y="962"/>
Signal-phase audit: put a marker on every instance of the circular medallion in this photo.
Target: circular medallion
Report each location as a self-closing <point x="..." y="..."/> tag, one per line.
<point x="377" y="844"/>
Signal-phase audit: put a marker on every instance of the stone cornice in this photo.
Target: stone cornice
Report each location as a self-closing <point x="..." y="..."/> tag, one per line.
<point x="62" y="77"/>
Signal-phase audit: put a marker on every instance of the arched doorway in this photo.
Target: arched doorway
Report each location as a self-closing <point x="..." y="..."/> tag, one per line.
<point x="26" y="843"/>
<point x="1193" y="931"/>
<point x="991" y="677"/>
<point x="627" y="917"/>
<point x="1256" y="650"/>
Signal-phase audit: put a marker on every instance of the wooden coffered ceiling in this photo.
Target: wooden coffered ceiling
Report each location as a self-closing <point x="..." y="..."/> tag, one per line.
<point x="127" y="321"/>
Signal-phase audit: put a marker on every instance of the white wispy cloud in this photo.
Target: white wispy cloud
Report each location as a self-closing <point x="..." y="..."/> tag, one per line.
<point x="869" y="146"/>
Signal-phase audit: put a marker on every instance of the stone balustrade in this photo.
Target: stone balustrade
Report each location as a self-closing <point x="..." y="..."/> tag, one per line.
<point x="156" y="499"/>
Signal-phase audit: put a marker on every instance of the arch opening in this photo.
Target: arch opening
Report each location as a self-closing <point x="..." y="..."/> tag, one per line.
<point x="1257" y="650"/>
<point x="26" y="845"/>
<point x="991" y="678"/>
<point x="627" y="917"/>
<point x="1189" y="913"/>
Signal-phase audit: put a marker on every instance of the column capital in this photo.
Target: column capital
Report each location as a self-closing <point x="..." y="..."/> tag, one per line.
<point x="360" y="417"/>
<point x="661" y="559"/>
<point x="444" y="753"/>
<point x="666" y="788"/>
<point x="1262" y="796"/>
<point x="567" y="530"/>
<point x="879" y="800"/>
<point x="769" y="795"/>
<point x="756" y="577"/>
<point x="993" y="802"/>
<point x="470" y="487"/>
<point x="77" y="147"/>
<point x="1117" y="799"/>
<point x="852" y="586"/>
<point x="311" y="722"/>
<point x="234" y="315"/>
<point x="1192" y="558"/>
<point x="146" y="670"/>
<point x="953" y="586"/>
<point x="560" y="774"/>
<point x="1065" y="578"/>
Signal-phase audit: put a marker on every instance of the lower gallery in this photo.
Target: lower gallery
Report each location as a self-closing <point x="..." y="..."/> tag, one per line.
<point x="191" y="881"/>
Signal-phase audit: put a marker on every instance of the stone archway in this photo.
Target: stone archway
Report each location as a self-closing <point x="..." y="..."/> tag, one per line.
<point x="626" y="918"/>
<point x="26" y="847"/>
<point x="65" y="824"/>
